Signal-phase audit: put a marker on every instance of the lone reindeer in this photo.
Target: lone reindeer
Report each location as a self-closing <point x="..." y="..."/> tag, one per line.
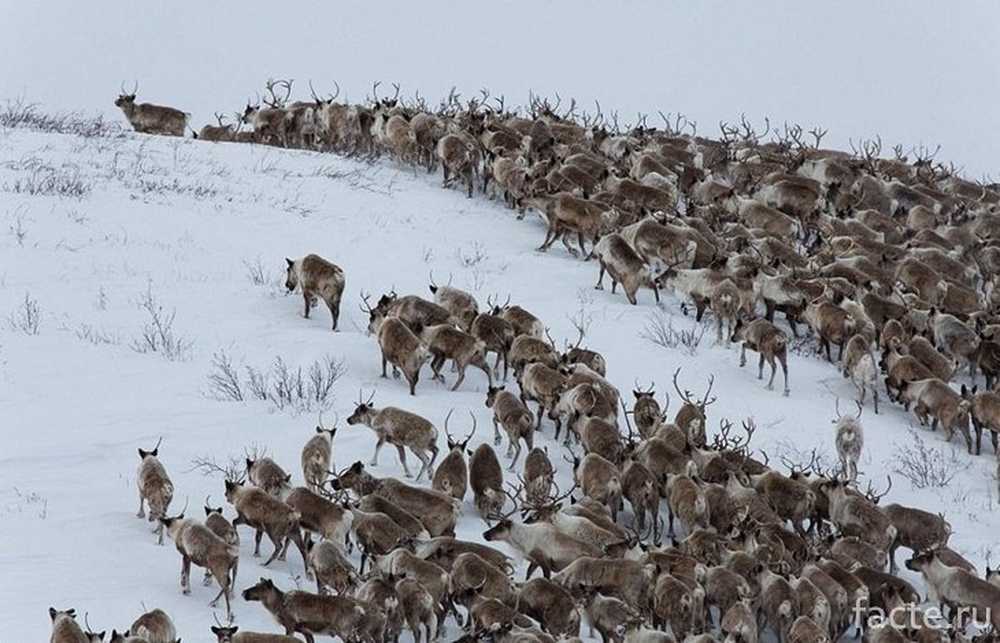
<point x="151" y="119"/>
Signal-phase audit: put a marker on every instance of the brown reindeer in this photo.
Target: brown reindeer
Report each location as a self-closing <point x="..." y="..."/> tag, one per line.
<point x="311" y="614"/>
<point x="316" y="278"/>
<point x="317" y="456"/>
<point x="147" y="118"/>
<point x="267" y="515"/>
<point x="452" y="475"/>
<point x="769" y="341"/>
<point x="510" y="413"/>
<point x="155" y="488"/>
<point x="197" y="544"/>
<point x="401" y="429"/>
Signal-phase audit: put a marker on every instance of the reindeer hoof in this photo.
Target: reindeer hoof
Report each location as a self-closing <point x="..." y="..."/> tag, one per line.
<point x="141" y="514"/>
<point x="786" y="393"/>
<point x="186" y="591"/>
<point x="207" y="581"/>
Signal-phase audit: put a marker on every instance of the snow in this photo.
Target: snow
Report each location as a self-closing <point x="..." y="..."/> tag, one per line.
<point x="181" y="219"/>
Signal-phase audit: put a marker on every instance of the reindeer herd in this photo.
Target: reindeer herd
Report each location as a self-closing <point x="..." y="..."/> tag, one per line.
<point x="669" y="532"/>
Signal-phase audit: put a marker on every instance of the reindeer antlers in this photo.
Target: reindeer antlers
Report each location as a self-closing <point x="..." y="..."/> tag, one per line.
<point x="872" y="495"/>
<point x="686" y="394"/>
<point x="276" y="102"/>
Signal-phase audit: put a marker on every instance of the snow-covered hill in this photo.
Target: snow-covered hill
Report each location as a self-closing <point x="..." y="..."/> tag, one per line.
<point x="92" y="229"/>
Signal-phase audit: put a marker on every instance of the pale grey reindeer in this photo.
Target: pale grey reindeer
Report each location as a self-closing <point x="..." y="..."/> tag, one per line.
<point x="155" y="488"/>
<point x="402" y="430"/>
<point x="849" y="440"/>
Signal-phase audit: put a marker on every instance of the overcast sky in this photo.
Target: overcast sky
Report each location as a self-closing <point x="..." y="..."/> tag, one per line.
<point x="912" y="71"/>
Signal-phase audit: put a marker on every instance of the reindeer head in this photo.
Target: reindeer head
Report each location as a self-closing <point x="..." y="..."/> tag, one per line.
<point x="209" y="510"/>
<point x="291" y="275"/>
<point x="224" y="634"/>
<point x="461" y="445"/>
<point x="364" y="410"/>
<point x="150" y="454"/>
<point x="353" y="477"/>
<point x="126" y="100"/>
<point x="499" y="531"/>
<point x="262" y="591"/>
<point x="920" y="560"/>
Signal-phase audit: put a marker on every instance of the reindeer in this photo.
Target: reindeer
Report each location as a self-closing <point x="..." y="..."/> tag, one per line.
<point x="551" y="605"/>
<point x="646" y="411"/>
<point x="565" y="213"/>
<point x="984" y="409"/>
<point x="539" y="476"/>
<point x="459" y="160"/>
<point x="401" y="429"/>
<point x="310" y="614"/>
<point x="831" y="323"/>
<point x="486" y="480"/>
<point x="320" y="516"/>
<point x="317" y="456"/>
<point x="857" y="515"/>
<point x="849" y="439"/>
<point x="517" y="421"/>
<point x="232" y="634"/>
<point x="445" y="342"/>
<point x="271" y="123"/>
<point x="154" y="626"/>
<point x="316" y="278"/>
<point x="452" y="475"/>
<point x="624" y="265"/>
<point x="147" y="118"/>
<point x="527" y="350"/>
<point x="197" y="544"/>
<point x="739" y="624"/>
<point x="544" y="546"/>
<point x="399" y="346"/>
<point x="686" y="501"/>
<point x="266" y="474"/>
<point x="222" y="528"/>
<point x="460" y="304"/>
<point x="678" y="605"/>
<point x="691" y="417"/>
<point x="955" y="338"/>
<point x="266" y="514"/>
<point x="437" y="511"/>
<point x="217" y="133"/>
<point x="957" y="587"/>
<point x="417" y="606"/>
<point x="155" y="488"/>
<point x="917" y="530"/>
<point x="769" y="341"/>
<point x="859" y="364"/>
<point x="330" y="567"/>
<point x="600" y="480"/>
<point x="934" y="398"/>
<point x="544" y="385"/>
<point x="474" y="579"/>
<point x="65" y="628"/>
<point x="497" y="335"/>
<point x="401" y="563"/>
<point x="900" y="370"/>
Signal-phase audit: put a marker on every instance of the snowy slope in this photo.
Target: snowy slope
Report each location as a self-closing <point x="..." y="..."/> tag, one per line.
<point x="182" y="220"/>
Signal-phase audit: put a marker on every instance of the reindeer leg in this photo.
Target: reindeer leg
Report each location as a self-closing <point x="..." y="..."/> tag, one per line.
<point x="743" y="354"/>
<point x="257" y="537"/>
<point x="600" y="277"/>
<point x="278" y="542"/>
<point x="784" y="371"/>
<point x="774" y="369"/>
<point x="496" y="434"/>
<point x="461" y="378"/>
<point x="760" y="367"/>
<point x="141" y="513"/>
<point x="307" y="297"/>
<point x="378" y="447"/>
<point x="185" y="575"/>
<point x="402" y="461"/>
<point x="384" y="361"/>
<point x="425" y="464"/>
